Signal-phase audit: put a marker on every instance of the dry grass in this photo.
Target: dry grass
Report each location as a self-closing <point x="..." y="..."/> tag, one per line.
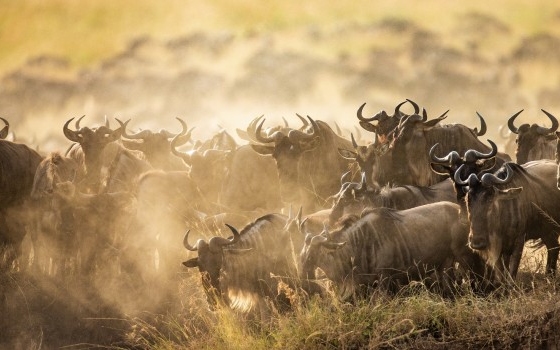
<point x="85" y="33"/>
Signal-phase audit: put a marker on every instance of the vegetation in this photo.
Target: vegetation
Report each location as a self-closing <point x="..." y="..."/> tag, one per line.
<point x="522" y="317"/>
<point x="87" y="32"/>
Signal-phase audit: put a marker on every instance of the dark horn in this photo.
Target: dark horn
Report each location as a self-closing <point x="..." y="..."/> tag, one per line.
<point x="71" y="135"/>
<point x="398" y="113"/>
<point x="416" y="107"/>
<point x="545" y="131"/>
<point x="480" y="155"/>
<point x="186" y="243"/>
<point x="510" y="124"/>
<point x="304" y="121"/>
<point x="360" y="114"/>
<point x="482" y="126"/>
<point x="5" y="129"/>
<point x="450" y="158"/>
<point x="184" y="136"/>
<point x="354" y="143"/>
<point x="489" y="179"/>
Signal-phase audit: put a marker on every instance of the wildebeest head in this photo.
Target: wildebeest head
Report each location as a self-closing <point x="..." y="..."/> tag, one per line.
<point x="533" y="141"/>
<point x="484" y="198"/>
<point x="92" y="142"/>
<point x="365" y="156"/>
<point x="53" y="170"/>
<point x="352" y="198"/>
<point x="209" y="263"/>
<point x="472" y="162"/>
<point x="286" y="149"/>
<point x="5" y="129"/>
<point x="155" y="145"/>
<point x="385" y="123"/>
<point x="408" y="148"/>
<point x="312" y="252"/>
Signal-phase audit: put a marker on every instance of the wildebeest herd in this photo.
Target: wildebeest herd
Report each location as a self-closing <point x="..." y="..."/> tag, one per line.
<point x="420" y="200"/>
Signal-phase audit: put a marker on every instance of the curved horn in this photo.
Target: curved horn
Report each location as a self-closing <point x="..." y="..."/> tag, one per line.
<point x="285" y="122"/>
<point x="360" y="114"/>
<point x="77" y="125"/>
<point x="107" y="122"/>
<point x="510" y="124"/>
<point x="473" y="155"/>
<point x="482" y="126"/>
<point x="184" y="136"/>
<point x="259" y="136"/>
<point x="354" y="143"/>
<point x="139" y="136"/>
<point x="71" y="135"/>
<point x="296" y="135"/>
<point x="450" y="159"/>
<point x="186" y="243"/>
<point x="398" y="113"/>
<point x="545" y="131"/>
<point x="304" y="121"/>
<point x="489" y="179"/>
<point x="416" y="107"/>
<point x="457" y="177"/>
<point x="216" y="243"/>
<point x="4" y="131"/>
<point x="253" y="126"/>
<point x="176" y="143"/>
<point x="424" y="115"/>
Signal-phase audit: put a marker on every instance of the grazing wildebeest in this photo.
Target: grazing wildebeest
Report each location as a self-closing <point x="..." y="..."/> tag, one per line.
<point x="309" y="164"/>
<point x="410" y="160"/>
<point x="390" y="248"/>
<point x="18" y="164"/>
<point x="510" y="206"/>
<point x="534" y="142"/>
<point x="238" y="271"/>
<point x="91" y="151"/>
<point x="156" y="145"/>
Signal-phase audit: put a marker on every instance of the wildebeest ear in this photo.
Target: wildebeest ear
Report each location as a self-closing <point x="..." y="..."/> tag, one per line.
<point x="4" y="132"/>
<point x="191" y="262"/>
<point x="264" y="150"/>
<point x="368" y="126"/>
<point x="347" y="154"/>
<point x="244" y="135"/>
<point x="510" y="193"/>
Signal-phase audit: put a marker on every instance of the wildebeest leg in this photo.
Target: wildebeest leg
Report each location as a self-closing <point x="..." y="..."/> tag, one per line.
<point x="515" y="258"/>
<point x="551" y="242"/>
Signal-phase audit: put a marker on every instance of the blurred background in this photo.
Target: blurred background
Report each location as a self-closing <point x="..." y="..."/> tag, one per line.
<point x="220" y="63"/>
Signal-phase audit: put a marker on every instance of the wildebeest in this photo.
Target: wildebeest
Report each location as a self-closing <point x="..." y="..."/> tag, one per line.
<point x="53" y="234"/>
<point x="534" y="142"/>
<point x="18" y="164"/>
<point x="238" y="271"/>
<point x="389" y="248"/>
<point x="156" y="145"/>
<point x="386" y="124"/>
<point x="410" y="160"/>
<point x="354" y="197"/>
<point x="508" y="207"/>
<point x="472" y="162"/>
<point x="309" y="164"/>
<point x="90" y="150"/>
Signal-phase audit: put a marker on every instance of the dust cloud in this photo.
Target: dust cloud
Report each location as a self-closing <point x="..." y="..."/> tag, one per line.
<point x="216" y="81"/>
